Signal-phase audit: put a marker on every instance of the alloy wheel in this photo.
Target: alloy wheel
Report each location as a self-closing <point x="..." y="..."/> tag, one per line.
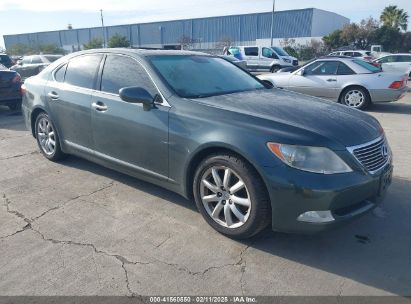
<point x="46" y="136"/>
<point x="354" y="98"/>
<point x="225" y="197"/>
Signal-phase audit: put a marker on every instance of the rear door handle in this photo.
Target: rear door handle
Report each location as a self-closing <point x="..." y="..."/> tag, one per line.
<point x="99" y="106"/>
<point x="53" y="95"/>
<point x="331" y="80"/>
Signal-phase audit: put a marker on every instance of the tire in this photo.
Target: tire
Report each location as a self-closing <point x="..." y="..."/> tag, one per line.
<point x="47" y="138"/>
<point x="14" y="106"/>
<point x="227" y="203"/>
<point x="355" y="97"/>
<point x="275" y="69"/>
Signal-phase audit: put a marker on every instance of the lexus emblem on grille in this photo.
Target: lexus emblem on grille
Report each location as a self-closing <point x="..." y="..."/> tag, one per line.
<point x="384" y="151"/>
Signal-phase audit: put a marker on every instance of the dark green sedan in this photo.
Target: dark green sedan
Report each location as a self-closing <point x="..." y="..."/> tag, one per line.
<point x="198" y="125"/>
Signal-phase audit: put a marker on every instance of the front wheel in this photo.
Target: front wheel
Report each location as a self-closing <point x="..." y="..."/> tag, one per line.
<point x="231" y="197"/>
<point x="356" y="97"/>
<point x="47" y="138"/>
<point x="275" y="69"/>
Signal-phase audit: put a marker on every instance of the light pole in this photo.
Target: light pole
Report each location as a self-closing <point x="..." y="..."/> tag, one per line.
<point x="102" y="28"/>
<point x="272" y="23"/>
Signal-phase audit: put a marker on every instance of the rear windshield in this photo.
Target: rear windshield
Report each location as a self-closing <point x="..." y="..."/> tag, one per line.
<point x="4" y="58"/>
<point x="202" y="76"/>
<point x="368" y="53"/>
<point x="3" y="68"/>
<point x="368" y="66"/>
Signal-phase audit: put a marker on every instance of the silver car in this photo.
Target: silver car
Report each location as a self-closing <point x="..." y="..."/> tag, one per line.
<point x="350" y="81"/>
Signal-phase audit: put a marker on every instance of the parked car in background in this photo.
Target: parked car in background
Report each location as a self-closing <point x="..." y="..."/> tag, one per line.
<point x="10" y="88"/>
<point x="241" y="63"/>
<point x="5" y="60"/>
<point x="400" y="63"/>
<point x="200" y="126"/>
<point x="32" y="65"/>
<point x="352" y="82"/>
<point x="262" y="59"/>
<point x="365" y="55"/>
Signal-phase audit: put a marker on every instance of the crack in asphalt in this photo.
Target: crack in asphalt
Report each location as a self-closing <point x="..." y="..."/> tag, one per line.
<point x="20" y="155"/>
<point x="123" y="260"/>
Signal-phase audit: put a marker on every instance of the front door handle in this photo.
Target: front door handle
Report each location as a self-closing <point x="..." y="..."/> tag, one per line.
<point x="53" y="95"/>
<point x="99" y="106"/>
<point x="331" y="80"/>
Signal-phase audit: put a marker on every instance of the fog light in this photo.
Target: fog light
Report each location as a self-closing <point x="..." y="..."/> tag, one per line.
<point x="316" y="217"/>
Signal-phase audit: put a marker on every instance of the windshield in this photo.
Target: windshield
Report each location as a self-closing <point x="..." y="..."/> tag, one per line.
<point x="280" y="51"/>
<point x="368" y="66"/>
<point x="202" y="76"/>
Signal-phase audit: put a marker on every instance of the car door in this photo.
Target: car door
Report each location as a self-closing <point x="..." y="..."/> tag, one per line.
<point x="69" y="94"/>
<point x="126" y="134"/>
<point x="267" y="57"/>
<point x="317" y="79"/>
<point x="251" y="55"/>
<point x="405" y="64"/>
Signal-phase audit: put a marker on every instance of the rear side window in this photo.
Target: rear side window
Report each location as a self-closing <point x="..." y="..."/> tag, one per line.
<point x="120" y="72"/>
<point x="81" y="71"/>
<point x="343" y="69"/>
<point x="251" y="51"/>
<point x="356" y="54"/>
<point x="349" y="54"/>
<point x="368" y="66"/>
<point x="59" y="74"/>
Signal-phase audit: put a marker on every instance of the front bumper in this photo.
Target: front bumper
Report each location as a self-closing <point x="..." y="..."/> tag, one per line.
<point x="387" y="95"/>
<point x="347" y="196"/>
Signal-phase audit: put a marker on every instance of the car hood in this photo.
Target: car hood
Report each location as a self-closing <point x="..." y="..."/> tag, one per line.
<point x="319" y="120"/>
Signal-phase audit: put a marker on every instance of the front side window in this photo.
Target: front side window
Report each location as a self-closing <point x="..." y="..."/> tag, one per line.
<point x="251" y="51"/>
<point x="121" y="71"/>
<point x="267" y="52"/>
<point x="203" y="76"/>
<point x="81" y="71"/>
<point x="322" y="68"/>
<point x="405" y="58"/>
<point x="349" y="54"/>
<point x="356" y="54"/>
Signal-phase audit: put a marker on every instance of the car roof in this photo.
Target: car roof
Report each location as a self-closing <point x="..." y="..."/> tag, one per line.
<point x="140" y="52"/>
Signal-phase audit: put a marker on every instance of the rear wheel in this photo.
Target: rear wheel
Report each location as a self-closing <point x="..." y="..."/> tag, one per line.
<point x="231" y="196"/>
<point x="47" y="138"/>
<point x="355" y="97"/>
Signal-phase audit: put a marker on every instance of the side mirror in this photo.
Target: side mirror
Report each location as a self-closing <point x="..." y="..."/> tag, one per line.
<point x="300" y="72"/>
<point x="137" y="95"/>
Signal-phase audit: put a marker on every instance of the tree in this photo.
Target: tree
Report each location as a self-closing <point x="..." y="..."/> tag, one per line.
<point x="406" y="42"/>
<point x="49" y="49"/>
<point x="95" y="43"/>
<point x="394" y="17"/>
<point x="334" y="40"/>
<point x="186" y="42"/>
<point x="118" y="41"/>
<point x="360" y="35"/>
<point x="390" y="38"/>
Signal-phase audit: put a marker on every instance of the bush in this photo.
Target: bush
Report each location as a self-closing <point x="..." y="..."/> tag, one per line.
<point x="118" y="41"/>
<point x="95" y="43"/>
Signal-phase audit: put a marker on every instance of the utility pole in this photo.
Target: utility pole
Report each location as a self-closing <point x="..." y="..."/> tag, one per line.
<point x="102" y="28"/>
<point x="272" y="23"/>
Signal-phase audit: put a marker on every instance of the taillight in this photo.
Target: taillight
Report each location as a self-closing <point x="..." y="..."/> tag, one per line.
<point x="376" y="64"/>
<point x="368" y="58"/>
<point x="16" y="78"/>
<point x="396" y="85"/>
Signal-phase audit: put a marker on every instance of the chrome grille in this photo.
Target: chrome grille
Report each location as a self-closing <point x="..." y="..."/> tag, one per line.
<point x="373" y="155"/>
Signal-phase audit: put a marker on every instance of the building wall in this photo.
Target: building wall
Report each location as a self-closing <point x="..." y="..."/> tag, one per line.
<point x="205" y="32"/>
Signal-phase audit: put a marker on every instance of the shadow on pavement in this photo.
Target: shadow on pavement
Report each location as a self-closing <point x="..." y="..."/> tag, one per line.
<point x="374" y="250"/>
<point x="11" y="120"/>
<point x="392" y="108"/>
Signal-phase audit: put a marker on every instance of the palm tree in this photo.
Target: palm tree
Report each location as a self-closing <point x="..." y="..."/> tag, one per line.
<point x="395" y="17"/>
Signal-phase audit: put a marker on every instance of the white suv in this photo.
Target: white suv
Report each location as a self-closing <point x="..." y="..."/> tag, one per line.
<point x="261" y="58"/>
<point x="396" y="63"/>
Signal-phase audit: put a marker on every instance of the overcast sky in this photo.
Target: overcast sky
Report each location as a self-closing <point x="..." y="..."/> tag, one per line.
<point x="24" y="16"/>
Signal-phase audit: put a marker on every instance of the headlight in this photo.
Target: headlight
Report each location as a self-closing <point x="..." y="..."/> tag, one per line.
<point x="311" y="159"/>
<point x="287" y="60"/>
